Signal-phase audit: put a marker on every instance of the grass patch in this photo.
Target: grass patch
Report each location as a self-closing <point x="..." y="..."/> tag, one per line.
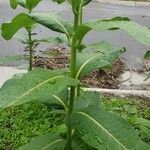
<point x="135" y="111"/>
<point x="19" y="124"/>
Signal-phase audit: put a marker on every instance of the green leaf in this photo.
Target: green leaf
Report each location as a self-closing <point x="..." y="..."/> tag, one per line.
<point x="6" y="59"/>
<point x="147" y="55"/>
<point x="144" y="126"/>
<point x="55" y="40"/>
<point x="13" y="4"/>
<point x="39" y="85"/>
<point x="20" y="21"/>
<point x="80" y="33"/>
<point x="105" y="131"/>
<point x="148" y="76"/>
<point x="32" y="4"/>
<point x="58" y="1"/>
<point x="22" y="3"/>
<point x="85" y="2"/>
<point x="28" y="4"/>
<point x="53" y="22"/>
<point x="140" y="33"/>
<point x="87" y="99"/>
<point x="98" y="58"/>
<point x="77" y="4"/>
<point x="45" y="142"/>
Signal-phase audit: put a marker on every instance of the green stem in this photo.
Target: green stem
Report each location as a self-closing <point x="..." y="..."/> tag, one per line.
<point x="81" y="16"/>
<point x="73" y="89"/>
<point x="80" y="23"/>
<point x="30" y="50"/>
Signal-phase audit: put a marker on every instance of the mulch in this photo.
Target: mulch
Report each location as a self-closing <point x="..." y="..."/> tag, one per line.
<point x="58" y="58"/>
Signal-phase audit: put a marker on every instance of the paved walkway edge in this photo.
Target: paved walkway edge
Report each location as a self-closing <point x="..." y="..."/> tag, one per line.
<point x="127" y="3"/>
<point x="122" y="93"/>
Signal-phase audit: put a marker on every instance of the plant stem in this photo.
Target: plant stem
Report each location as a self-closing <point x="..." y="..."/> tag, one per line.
<point x="73" y="89"/>
<point x="30" y="50"/>
<point x="80" y="23"/>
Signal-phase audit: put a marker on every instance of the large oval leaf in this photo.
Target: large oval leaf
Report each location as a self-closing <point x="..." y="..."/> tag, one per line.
<point x="105" y="131"/>
<point x="102" y="56"/>
<point x="45" y="142"/>
<point x="53" y="21"/>
<point x="140" y="33"/>
<point x="20" y="21"/>
<point x="39" y="84"/>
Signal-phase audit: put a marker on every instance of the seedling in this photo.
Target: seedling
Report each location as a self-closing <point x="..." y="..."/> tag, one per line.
<point x="86" y="121"/>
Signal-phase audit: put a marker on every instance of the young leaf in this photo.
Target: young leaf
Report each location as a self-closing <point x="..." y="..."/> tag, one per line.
<point x="39" y="85"/>
<point x="140" y="33"/>
<point x="22" y="3"/>
<point x="76" y="4"/>
<point x="80" y="33"/>
<point x="102" y="58"/>
<point x="55" y="40"/>
<point x="85" y="2"/>
<point x="58" y="1"/>
<point x="45" y="142"/>
<point x="53" y="22"/>
<point x="87" y="99"/>
<point x="6" y="59"/>
<point x="13" y="4"/>
<point x="148" y="77"/>
<point x="147" y="55"/>
<point x="105" y="131"/>
<point x="20" y="21"/>
<point x="32" y="4"/>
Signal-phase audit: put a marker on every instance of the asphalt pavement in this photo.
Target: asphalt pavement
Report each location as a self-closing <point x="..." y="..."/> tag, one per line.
<point x="133" y="58"/>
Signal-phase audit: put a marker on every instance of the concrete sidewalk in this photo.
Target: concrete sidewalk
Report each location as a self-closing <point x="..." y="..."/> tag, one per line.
<point x="127" y="3"/>
<point x="7" y="73"/>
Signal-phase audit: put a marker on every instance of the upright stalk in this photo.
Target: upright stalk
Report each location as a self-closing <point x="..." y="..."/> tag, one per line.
<point x="30" y="47"/>
<point x="80" y="23"/>
<point x="73" y="89"/>
<point x="30" y="50"/>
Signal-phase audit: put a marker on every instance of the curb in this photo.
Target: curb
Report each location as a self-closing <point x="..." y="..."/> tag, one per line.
<point x="121" y="93"/>
<point x="126" y="3"/>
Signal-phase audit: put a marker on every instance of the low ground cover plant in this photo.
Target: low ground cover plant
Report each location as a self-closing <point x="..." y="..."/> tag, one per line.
<point x="88" y="125"/>
<point x="18" y="125"/>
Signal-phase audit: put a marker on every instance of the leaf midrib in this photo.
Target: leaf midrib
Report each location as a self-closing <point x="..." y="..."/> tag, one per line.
<point x="34" y="88"/>
<point x="88" y="116"/>
<point x="54" y="142"/>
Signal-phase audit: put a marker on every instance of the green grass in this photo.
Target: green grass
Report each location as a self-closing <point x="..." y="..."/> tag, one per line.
<point x="135" y="111"/>
<point x="19" y="124"/>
